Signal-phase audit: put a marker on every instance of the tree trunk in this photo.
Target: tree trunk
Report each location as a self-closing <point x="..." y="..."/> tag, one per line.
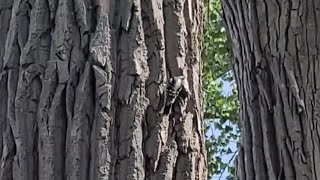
<point x="276" y="61"/>
<point x="83" y="83"/>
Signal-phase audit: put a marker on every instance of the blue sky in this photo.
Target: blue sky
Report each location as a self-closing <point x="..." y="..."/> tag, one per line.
<point x="233" y="146"/>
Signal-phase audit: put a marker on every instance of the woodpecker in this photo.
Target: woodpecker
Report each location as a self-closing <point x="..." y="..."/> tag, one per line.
<point x="173" y="89"/>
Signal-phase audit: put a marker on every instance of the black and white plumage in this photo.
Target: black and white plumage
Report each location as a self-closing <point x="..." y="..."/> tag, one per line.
<point x="173" y="89"/>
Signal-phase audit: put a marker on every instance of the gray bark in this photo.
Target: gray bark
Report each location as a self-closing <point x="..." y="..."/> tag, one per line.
<point x="82" y="84"/>
<point x="276" y="62"/>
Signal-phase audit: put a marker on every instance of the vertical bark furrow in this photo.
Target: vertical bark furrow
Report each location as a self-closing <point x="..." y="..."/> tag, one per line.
<point x="267" y="21"/>
<point x="313" y="81"/>
<point x="4" y="128"/>
<point x="78" y="143"/>
<point x="268" y="128"/>
<point x="183" y="168"/>
<point x="298" y="49"/>
<point x="243" y="85"/>
<point x="53" y="5"/>
<point x="254" y="111"/>
<point x="167" y="160"/>
<point x="5" y="20"/>
<point x="309" y="85"/>
<point x="26" y="105"/>
<point x="261" y="25"/>
<point x="193" y="18"/>
<point x="156" y="129"/>
<point x="286" y="167"/>
<point x="5" y="17"/>
<point x="8" y="153"/>
<point x="284" y="25"/>
<point x="315" y="155"/>
<point x="53" y="168"/>
<point x="101" y="138"/>
<point x="273" y="10"/>
<point x="23" y="20"/>
<point x="239" y="163"/>
<point x="175" y="35"/>
<point x="101" y="160"/>
<point x="132" y="94"/>
<point x="34" y="58"/>
<point x="187" y="147"/>
<point x="3" y="107"/>
<point x="83" y="14"/>
<point x="7" y="158"/>
<point x="246" y="138"/>
<point x="45" y="144"/>
<point x="11" y="60"/>
<point x="102" y="135"/>
<point x="317" y="23"/>
<point x="52" y="113"/>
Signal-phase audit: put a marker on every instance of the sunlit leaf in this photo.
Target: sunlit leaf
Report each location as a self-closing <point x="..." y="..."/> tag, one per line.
<point x="221" y="109"/>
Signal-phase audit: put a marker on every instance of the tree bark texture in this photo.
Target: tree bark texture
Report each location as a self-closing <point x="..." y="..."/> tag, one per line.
<point x="82" y="84"/>
<point x="276" y="61"/>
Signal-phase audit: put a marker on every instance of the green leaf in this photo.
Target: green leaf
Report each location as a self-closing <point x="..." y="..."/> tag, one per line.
<point x="221" y="111"/>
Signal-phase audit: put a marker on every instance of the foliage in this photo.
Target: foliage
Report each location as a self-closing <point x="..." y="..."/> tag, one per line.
<point x="221" y="111"/>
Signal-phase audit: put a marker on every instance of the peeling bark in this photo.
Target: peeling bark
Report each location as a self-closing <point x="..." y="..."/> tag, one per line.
<point x="82" y="85"/>
<point x="275" y="58"/>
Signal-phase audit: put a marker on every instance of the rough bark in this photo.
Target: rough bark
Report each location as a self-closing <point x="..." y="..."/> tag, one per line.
<point x="82" y="85"/>
<point x="276" y="61"/>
